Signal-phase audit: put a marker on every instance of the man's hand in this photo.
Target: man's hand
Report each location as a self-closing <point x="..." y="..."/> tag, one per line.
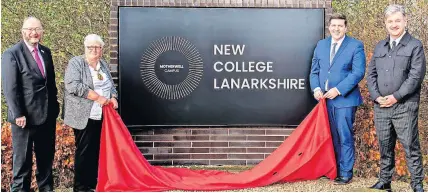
<point x="381" y="100"/>
<point x="389" y="101"/>
<point x="21" y="121"/>
<point x="331" y="94"/>
<point x="318" y="94"/>
<point x="115" y="104"/>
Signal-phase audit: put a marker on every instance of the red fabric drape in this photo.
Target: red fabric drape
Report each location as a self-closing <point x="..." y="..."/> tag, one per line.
<point x="306" y="154"/>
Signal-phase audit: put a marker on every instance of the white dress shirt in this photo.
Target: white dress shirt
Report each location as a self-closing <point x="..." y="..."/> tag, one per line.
<point x="396" y="40"/>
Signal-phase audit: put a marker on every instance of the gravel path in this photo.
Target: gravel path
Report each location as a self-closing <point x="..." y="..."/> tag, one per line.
<point x="325" y="185"/>
<point x="321" y="185"/>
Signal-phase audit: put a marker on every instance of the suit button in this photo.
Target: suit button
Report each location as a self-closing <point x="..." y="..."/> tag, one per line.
<point x="387" y="70"/>
<point x="389" y="56"/>
<point x="386" y="85"/>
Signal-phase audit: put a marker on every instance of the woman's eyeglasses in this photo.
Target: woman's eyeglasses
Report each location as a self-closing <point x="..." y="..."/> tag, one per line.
<point x="92" y="48"/>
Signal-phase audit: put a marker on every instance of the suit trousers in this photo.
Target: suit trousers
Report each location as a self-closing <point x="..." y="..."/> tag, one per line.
<point x="399" y="121"/>
<point x="43" y="138"/>
<point x="87" y="155"/>
<point x="341" y="125"/>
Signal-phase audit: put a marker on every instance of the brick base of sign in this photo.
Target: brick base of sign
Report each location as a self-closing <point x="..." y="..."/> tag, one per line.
<point x="208" y="146"/>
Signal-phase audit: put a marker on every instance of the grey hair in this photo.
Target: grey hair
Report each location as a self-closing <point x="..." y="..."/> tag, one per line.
<point x="391" y="9"/>
<point x="93" y="38"/>
<point x="30" y="17"/>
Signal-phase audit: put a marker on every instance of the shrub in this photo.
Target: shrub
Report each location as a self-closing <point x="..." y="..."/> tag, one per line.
<point x="63" y="167"/>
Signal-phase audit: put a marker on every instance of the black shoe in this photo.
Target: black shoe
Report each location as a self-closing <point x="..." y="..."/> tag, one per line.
<point x="85" y="189"/>
<point x="418" y="188"/>
<point x="342" y="180"/>
<point x="43" y="190"/>
<point x="382" y="186"/>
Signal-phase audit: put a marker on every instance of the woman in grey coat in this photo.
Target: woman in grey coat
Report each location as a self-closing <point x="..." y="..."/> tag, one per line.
<point x="88" y="87"/>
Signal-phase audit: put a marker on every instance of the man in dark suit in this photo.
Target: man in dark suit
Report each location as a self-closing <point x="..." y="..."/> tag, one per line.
<point x="394" y="79"/>
<point x="338" y="65"/>
<point x="28" y="80"/>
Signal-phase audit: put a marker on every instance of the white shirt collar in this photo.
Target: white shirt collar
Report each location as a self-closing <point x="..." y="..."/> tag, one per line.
<point x="338" y="42"/>
<point x="30" y="47"/>
<point x="396" y="40"/>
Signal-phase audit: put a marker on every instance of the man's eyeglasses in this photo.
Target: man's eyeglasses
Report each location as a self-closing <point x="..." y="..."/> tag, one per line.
<point x="37" y="29"/>
<point x="92" y="48"/>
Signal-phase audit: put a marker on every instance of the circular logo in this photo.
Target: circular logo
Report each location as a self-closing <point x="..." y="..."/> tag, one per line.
<point x="171" y="67"/>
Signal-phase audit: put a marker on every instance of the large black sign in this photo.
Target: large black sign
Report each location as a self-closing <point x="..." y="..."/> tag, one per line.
<point x="216" y="66"/>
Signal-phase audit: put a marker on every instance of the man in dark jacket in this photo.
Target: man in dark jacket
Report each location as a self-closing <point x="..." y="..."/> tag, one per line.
<point x="28" y="80"/>
<point x="395" y="75"/>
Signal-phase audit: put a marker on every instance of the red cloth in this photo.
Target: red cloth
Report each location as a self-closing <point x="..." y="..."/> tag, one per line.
<point x="306" y="154"/>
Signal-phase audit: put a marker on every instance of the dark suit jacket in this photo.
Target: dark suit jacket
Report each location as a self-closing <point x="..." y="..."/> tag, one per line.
<point x="399" y="72"/>
<point x="26" y="91"/>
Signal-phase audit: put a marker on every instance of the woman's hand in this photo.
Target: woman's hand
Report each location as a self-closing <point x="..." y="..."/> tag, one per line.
<point x="102" y="100"/>
<point x="115" y="104"/>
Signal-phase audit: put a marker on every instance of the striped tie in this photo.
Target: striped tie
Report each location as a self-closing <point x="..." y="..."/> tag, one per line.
<point x="333" y="52"/>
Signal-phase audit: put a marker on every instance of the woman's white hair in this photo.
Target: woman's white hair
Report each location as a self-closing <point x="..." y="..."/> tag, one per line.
<point x="391" y="9"/>
<point x="93" y="38"/>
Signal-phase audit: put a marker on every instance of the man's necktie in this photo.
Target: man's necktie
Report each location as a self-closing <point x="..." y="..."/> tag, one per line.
<point x="394" y="44"/>
<point x="39" y="62"/>
<point x="333" y="52"/>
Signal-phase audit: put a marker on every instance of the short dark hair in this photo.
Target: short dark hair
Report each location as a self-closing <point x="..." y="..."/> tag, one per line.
<point x="338" y="16"/>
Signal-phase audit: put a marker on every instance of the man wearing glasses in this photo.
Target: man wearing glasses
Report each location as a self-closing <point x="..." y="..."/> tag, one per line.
<point x="28" y="79"/>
